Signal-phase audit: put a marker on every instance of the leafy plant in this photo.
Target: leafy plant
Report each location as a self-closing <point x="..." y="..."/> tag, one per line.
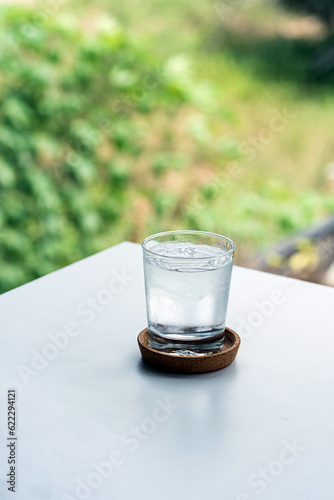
<point x="76" y="117"/>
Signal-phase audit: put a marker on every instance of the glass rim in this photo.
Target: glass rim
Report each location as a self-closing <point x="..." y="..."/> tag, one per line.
<point x="186" y="231"/>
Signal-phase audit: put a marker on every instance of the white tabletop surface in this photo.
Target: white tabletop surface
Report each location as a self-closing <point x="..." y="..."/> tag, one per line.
<point x="93" y="422"/>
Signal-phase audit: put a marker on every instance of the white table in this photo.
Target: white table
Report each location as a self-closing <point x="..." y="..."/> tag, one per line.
<point x="260" y="429"/>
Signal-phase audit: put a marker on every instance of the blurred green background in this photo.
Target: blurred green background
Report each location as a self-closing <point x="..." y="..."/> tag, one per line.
<point x="121" y="120"/>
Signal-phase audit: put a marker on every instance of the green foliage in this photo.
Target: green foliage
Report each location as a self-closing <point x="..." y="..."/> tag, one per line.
<point x="99" y="143"/>
<point x="165" y="160"/>
<point x="256" y="218"/>
<point x="71" y="133"/>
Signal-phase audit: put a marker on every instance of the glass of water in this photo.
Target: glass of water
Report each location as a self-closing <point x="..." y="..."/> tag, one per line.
<point x="187" y="284"/>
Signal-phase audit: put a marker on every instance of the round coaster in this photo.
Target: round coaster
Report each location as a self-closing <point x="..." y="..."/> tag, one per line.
<point x="190" y="364"/>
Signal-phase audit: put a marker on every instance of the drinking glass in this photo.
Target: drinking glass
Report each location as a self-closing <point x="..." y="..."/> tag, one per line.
<point x="187" y="285"/>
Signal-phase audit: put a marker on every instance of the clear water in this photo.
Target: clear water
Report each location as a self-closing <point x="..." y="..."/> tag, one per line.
<point x="187" y="299"/>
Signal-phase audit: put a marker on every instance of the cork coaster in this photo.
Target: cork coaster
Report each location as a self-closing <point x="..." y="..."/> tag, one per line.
<point x="192" y="364"/>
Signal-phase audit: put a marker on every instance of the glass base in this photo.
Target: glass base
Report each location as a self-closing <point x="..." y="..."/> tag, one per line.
<point x="186" y="348"/>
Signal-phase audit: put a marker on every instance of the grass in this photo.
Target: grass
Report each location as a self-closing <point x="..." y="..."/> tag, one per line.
<point x="259" y="60"/>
